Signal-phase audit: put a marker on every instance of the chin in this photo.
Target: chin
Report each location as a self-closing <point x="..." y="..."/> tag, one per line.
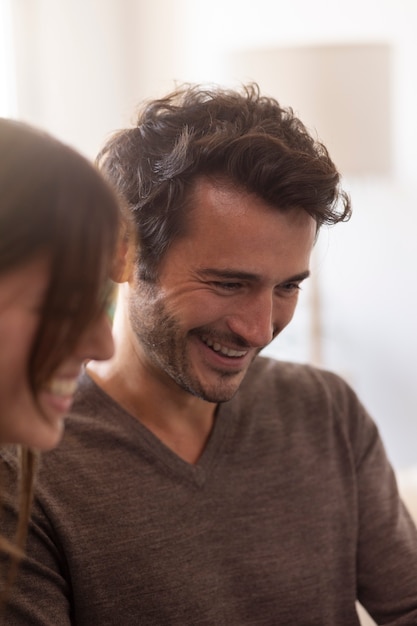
<point x="38" y="433"/>
<point x="218" y="394"/>
<point x="224" y="397"/>
<point x="48" y="437"/>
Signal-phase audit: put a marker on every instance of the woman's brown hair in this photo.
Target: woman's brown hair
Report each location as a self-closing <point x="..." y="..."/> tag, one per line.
<point x="53" y="201"/>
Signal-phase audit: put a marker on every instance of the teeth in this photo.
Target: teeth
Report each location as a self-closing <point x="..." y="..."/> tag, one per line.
<point x="217" y="347"/>
<point x="61" y="387"/>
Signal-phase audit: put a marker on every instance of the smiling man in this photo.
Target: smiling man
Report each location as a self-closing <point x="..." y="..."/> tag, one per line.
<point x="205" y="484"/>
<point x="222" y="294"/>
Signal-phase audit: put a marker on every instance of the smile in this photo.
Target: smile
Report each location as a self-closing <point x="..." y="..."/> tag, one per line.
<point x="217" y="347"/>
<point x="61" y="387"/>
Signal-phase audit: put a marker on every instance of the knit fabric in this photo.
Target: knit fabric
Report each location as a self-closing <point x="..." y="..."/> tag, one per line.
<point x="290" y="515"/>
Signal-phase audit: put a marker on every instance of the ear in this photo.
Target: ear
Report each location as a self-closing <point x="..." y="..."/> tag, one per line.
<point x="123" y="264"/>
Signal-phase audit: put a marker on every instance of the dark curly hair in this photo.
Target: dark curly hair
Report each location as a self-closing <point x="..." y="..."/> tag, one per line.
<point x="242" y="137"/>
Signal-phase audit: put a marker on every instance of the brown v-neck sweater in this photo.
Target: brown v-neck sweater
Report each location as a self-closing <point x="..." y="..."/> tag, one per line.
<point x="290" y="516"/>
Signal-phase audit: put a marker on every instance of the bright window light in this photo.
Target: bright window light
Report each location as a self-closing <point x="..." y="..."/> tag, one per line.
<point x="8" y="105"/>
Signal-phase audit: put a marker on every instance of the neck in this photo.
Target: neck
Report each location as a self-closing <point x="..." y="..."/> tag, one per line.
<point x="180" y="420"/>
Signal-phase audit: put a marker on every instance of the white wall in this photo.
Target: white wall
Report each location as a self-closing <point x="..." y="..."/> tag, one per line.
<point x="84" y="64"/>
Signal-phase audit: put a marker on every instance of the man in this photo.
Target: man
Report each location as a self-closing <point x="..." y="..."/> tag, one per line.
<point x="199" y="483"/>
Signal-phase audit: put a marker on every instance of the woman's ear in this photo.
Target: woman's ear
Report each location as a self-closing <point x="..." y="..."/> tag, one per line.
<point x="124" y="260"/>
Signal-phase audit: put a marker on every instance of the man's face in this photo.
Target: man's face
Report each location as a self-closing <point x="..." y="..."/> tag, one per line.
<point x="224" y="291"/>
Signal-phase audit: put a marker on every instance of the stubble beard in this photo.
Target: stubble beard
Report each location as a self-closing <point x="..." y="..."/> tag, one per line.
<point x="164" y="344"/>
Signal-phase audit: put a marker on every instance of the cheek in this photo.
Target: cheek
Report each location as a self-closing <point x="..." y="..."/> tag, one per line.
<point x="284" y="313"/>
<point x="16" y="400"/>
<point x="16" y="338"/>
<point x="196" y="308"/>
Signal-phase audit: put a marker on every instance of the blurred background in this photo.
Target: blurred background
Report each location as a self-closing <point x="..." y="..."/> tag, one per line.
<point x="79" y="68"/>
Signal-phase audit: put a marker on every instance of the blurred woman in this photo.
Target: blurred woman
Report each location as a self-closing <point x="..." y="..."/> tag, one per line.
<point x="58" y="229"/>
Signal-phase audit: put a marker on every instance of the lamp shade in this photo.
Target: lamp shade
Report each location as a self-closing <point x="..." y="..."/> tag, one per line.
<point x="341" y="92"/>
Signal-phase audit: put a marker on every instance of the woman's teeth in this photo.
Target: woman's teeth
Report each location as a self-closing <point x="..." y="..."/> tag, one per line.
<point x="217" y="347"/>
<point x="60" y="387"/>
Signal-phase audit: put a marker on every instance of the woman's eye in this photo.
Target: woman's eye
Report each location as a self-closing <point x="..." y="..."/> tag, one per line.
<point x="108" y="298"/>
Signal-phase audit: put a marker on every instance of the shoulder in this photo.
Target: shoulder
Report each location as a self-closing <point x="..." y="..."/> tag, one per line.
<point x="306" y="382"/>
<point x="9" y="468"/>
<point x="307" y="398"/>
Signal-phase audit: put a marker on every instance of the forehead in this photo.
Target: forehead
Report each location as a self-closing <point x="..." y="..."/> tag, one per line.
<point x="231" y="229"/>
<point x="222" y="210"/>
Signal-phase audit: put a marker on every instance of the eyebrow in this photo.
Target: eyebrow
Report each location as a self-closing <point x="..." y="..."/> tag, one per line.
<point x="231" y="274"/>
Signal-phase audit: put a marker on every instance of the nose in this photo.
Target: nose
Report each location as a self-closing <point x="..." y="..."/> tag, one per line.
<point x="97" y="341"/>
<point x="254" y="321"/>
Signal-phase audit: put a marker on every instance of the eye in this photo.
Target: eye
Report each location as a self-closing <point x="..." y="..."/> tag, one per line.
<point x="290" y="288"/>
<point x="108" y="298"/>
<point x="227" y="286"/>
